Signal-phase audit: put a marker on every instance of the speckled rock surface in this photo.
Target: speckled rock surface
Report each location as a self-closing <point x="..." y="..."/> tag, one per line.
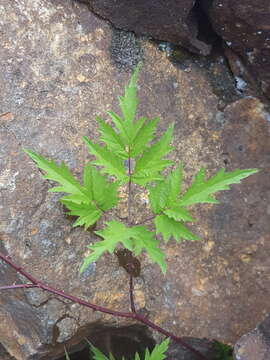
<point x="58" y="70"/>
<point x="256" y="344"/>
<point x="172" y="20"/>
<point x="245" y="27"/>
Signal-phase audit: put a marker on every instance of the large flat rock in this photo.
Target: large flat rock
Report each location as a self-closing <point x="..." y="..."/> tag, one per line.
<point x="173" y="20"/>
<point x="245" y="27"/>
<point x="58" y="70"/>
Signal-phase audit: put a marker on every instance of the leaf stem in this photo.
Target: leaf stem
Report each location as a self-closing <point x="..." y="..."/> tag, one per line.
<point x="94" y="307"/>
<point x="129" y="191"/>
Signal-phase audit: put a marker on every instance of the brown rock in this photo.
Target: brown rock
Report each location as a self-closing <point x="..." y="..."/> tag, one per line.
<point x="245" y="27"/>
<point x="57" y="74"/>
<point x="172" y="20"/>
<point x="256" y="344"/>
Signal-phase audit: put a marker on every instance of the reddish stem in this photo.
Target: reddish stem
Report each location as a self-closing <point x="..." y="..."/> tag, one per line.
<point x="129" y="315"/>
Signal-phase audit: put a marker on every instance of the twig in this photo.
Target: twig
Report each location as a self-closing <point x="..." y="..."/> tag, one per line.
<point x="129" y="315"/>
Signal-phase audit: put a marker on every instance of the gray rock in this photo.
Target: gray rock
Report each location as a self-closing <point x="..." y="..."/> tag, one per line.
<point x="174" y="21"/>
<point x="245" y="28"/>
<point x="255" y="345"/>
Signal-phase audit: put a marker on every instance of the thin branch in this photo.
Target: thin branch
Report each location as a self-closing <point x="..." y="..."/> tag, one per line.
<point x="131" y="294"/>
<point x="129" y="315"/>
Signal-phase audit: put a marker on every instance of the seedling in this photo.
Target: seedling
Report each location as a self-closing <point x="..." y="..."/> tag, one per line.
<point x="128" y="152"/>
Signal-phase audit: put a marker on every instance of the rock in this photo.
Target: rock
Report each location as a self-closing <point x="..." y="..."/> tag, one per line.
<point x="174" y="21"/>
<point x="255" y="345"/>
<point x="20" y="330"/>
<point x="204" y="346"/>
<point x="4" y="355"/>
<point x="245" y="27"/>
<point x="58" y="71"/>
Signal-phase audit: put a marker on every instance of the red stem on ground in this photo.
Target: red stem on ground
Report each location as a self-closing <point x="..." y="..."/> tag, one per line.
<point x="130" y="315"/>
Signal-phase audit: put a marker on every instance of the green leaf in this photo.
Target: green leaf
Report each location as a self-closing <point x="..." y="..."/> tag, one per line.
<point x="63" y="176"/>
<point x="168" y="227"/>
<point x="98" y="355"/>
<point x="112" y="139"/>
<point x="165" y="193"/>
<point x="158" y="196"/>
<point x="158" y="353"/>
<point x="150" y="164"/>
<point x="112" y="165"/>
<point x="67" y="356"/>
<point x="177" y="213"/>
<point x="113" y="234"/>
<point x="129" y="102"/>
<point x="174" y="181"/>
<point x="134" y="238"/>
<point x="201" y="190"/>
<point x="121" y="126"/>
<point x="88" y="214"/>
<point x="103" y="192"/>
<point x="222" y="351"/>
<point x="144" y="239"/>
<point x="143" y="137"/>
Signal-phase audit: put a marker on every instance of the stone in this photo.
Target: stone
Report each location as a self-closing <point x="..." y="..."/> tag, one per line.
<point x="254" y="345"/>
<point x="245" y="28"/>
<point x="4" y="355"/>
<point x="174" y="21"/>
<point x="20" y="325"/>
<point x="204" y="346"/>
<point x="58" y="72"/>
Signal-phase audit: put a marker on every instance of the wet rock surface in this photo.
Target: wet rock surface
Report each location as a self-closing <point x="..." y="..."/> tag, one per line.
<point x="174" y="21"/>
<point x="58" y="72"/>
<point x="245" y="27"/>
<point x="256" y="344"/>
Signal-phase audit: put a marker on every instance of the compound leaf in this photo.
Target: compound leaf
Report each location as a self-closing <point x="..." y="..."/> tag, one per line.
<point x="112" y="139"/>
<point x="129" y="102"/>
<point x="169" y="227"/>
<point x="174" y="181"/>
<point x="112" y="164"/>
<point x="143" y="137"/>
<point x="158" y="353"/>
<point x="151" y="163"/>
<point x="88" y="214"/>
<point x="177" y="212"/>
<point x="144" y="239"/>
<point x="104" y="193"/>
<point x="158" y="196"/>
<point x="98" y="355"/>
<point x="201" y="190"/>
<point x="121" y="126"/>
<point x="62" y="175"/>
<point x="114" y="233"/>
<point x="166" y="192"/>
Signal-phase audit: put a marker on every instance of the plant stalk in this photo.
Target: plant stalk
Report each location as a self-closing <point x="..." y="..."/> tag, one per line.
<point x="129" y="191"/>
